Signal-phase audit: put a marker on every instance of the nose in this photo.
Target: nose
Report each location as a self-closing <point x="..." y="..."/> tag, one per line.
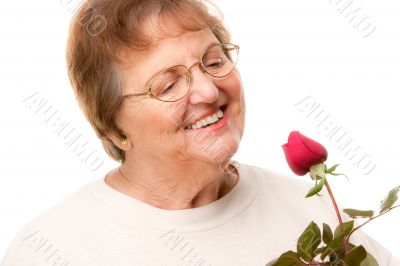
<point x="202" y="88"/>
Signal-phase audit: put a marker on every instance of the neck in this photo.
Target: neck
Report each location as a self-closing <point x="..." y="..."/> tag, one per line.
<point x="173" y="187"/>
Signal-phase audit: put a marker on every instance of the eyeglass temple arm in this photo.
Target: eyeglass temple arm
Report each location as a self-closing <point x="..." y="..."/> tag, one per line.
<point x="135" y="95"/>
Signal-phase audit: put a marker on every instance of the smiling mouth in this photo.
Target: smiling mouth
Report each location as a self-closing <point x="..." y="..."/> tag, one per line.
<point x="209" y="120"/>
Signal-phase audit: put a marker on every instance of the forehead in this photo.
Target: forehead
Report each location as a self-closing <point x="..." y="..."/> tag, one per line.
<point x="191" y="42"/>
<point x="183" y="49"/>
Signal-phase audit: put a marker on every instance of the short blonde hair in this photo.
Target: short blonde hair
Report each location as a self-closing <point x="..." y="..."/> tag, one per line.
<point x="100" y="29"/>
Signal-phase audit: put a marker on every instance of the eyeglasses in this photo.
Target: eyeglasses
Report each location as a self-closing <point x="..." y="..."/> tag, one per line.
<point x="172" y="84"/>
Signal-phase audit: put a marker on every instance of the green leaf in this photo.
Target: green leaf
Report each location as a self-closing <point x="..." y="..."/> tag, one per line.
<point x="390" y="199"/>
<point x="347" y="227"/>
<point x="333" y="168"/>
<point x="317" y="171"/>
<point x="337" y="174"/>
<point x="351" y="246"/>
<point x="317" y="188"/>
<point x="355" y="256"/>
<point x="369" y="261"/>
<point x="320" y="250"/>
<point x="288" y="258"/>
<point x="335" y="247"/>
<point x="327" y="234"/>
<point x="353" y="213"/>
<point x="332" y="248"/>
<point x="308" y="242"/>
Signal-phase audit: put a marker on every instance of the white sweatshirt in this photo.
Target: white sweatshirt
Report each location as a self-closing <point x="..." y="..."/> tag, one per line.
<point x="259" y="219"/>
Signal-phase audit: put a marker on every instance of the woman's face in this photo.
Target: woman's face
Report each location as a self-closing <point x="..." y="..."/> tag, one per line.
<point x="159" y="130"/>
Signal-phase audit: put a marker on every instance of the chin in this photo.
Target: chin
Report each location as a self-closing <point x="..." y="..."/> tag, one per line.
<point x="218" y="150"/>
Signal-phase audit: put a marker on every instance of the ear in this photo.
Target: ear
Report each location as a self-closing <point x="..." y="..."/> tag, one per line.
<point x="120" y="141"/>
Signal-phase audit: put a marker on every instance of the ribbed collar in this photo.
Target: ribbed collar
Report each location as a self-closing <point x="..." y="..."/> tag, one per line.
<point x="129" y="211"/>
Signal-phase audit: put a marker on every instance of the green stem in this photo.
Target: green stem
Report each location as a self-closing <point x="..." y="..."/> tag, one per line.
<point x="345" y="243"/>
<point x="369" y="220"/>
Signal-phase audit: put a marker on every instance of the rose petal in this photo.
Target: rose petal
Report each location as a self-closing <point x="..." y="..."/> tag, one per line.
<point x="315" y="147"/>
<point x="298" y="152"/>
<point x="302" y="152"/>
<point x="297" y="169"/>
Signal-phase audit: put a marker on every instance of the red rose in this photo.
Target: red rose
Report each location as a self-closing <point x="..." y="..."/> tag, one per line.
<point x="302" y="152"/>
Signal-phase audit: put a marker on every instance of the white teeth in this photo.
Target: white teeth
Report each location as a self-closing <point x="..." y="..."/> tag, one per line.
<point x="207" y="120"/>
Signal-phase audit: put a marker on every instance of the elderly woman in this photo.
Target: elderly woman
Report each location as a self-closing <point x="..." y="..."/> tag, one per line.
<point x="157" y="81"/>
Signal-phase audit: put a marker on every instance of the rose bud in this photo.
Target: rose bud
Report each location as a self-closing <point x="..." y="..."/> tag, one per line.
<point x="302" y="152"/>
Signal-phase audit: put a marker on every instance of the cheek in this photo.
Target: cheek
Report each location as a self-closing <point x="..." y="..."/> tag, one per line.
<point x="234" y="84"/>
<point x="132" y="120"/>
<point x="155" y="123"/>
<point x="173" y="114"/>
<point x="233" y="87"/>
<point x="235" y="93"/>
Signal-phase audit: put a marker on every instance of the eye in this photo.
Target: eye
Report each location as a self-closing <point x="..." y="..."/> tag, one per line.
<point x="214" y="58"/>
<point x="164" y="83"/>
<point x="214" y="62"/>
<point x="165" y="87"/>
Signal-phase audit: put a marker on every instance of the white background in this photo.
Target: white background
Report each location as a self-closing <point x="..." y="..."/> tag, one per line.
<point x="290" y="50"/>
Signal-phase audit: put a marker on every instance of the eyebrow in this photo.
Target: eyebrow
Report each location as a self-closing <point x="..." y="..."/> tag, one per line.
<point x="147" y="84"/>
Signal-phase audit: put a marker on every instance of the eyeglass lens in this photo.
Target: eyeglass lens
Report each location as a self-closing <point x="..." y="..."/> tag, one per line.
<point x="173" y="83"/>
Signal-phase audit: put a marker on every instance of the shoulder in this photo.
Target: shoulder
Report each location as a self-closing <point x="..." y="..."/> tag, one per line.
<point x="39" y="237"/>
<point x="78" y="202"/>
<point x="285" y="195"/>
<point x="276" y="181"/>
